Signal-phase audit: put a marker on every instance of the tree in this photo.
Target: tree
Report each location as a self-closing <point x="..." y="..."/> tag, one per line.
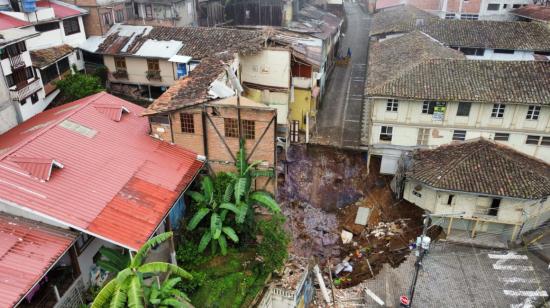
<point x="211" y="206"/>
<point x="128" y="287"/>
<point x="78" y="85"/>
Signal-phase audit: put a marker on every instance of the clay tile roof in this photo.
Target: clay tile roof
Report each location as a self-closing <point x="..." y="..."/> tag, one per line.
<point x="191" y="90"/>
<point x="482" y="167"/>
<point x="391" y="57"/>
<point x="198" y="42"/>
<point x="536" y="12"/>
<point x="521" y="82"/>
<point x="513" y="35"/>
<point x="44" y="57"/>
<point x="399" y="19"/>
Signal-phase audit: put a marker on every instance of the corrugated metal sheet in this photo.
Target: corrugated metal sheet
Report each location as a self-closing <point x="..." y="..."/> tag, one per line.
<point x="8" y="22"/>
<point x="27" y="250"/>
<point x="39" y="168"/>
<point x="61" y="10"/>
<point x="116" y="185"/>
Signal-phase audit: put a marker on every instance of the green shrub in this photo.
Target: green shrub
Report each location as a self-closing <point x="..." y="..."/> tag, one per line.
<point x="273" y="247"/>
<point x="190" y="286"/>
<point x="188" y="254"/>
<point x="77" y="86"/>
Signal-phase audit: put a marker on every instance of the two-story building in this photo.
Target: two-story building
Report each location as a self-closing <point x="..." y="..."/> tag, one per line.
<point x="441" y="98"/>
<point x="470" y="10"/>
<point x="202" y="113"/>
<point x="479" y="188"/>
<point x="143" y="61"/>
<point x="76" y="178"/>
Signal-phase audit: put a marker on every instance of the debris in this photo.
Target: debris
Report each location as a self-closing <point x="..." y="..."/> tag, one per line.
<point x="344" y="266"/>
<point x="374" y="296"/>
<point x="346" y="237"/>
<point x="321" y="283"/>
<point x="362" y="216"/>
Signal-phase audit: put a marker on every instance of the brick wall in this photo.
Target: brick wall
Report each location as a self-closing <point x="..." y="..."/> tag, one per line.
<point x="220" y="147"/>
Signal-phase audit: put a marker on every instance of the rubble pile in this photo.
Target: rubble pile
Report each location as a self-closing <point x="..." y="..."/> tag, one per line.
<point x="293" y="273"/>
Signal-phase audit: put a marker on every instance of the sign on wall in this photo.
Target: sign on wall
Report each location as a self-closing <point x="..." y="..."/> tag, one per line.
<point x="439" y="111"/>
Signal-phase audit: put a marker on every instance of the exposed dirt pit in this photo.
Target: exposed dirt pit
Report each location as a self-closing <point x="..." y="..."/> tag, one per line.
<point x="322" y="190"/>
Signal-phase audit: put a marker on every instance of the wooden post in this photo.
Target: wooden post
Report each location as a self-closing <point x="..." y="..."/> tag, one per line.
<point x="514" y="232"/>
<point x="474" y="229"/>
<point x="450" y="226"/>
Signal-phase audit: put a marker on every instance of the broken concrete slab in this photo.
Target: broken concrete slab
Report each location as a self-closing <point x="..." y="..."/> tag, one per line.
<point x="362" y="216"/>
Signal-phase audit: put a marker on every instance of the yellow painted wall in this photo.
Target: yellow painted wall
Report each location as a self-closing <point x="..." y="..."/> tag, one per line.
<point x="301" y="106"/>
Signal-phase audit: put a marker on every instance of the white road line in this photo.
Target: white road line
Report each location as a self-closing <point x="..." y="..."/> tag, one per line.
<point x="508" y="280"/>
<point x="538" y="293"/>
<point x="523" y="268"/>
<point x="508" y="256"/>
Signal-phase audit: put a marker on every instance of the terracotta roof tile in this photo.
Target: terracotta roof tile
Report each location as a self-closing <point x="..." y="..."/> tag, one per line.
<point x="399" y="19"/>
<point x="44" y="57"/>
<point x="536" y="12"/>
<point x="482" y="167"/>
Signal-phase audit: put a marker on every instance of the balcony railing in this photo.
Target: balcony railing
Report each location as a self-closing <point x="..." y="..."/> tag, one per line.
<point x="120" y="74"/>
<point x="17" y="61"/>
<point x="153" y="75"/>
<point x="25" y="90"/>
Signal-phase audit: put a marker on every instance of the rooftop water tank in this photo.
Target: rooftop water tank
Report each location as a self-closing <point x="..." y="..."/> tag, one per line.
<point x="28" y="6"/>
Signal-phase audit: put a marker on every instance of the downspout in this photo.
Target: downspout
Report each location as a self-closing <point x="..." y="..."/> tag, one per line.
<point x="204" y="132"/>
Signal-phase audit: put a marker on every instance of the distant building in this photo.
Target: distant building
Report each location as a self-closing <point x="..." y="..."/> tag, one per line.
<point x="76" y="178"/>
<point x="261" y="13"/>
<point x="424" y="95"/>
<point x="202" y="113"/>
<point x="480" y="187"/>
<point x="534" y="13"/>
<point x="470" y="10"/>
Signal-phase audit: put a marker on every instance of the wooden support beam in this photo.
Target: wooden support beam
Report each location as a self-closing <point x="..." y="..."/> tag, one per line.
<point x="474" y="229"/>
<point x="450" y="226"/>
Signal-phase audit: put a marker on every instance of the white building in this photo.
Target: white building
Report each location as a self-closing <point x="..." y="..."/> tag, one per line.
<point x="480" y="186"/>
<point x="430" y="98"/>
<point x="38" y="49"/>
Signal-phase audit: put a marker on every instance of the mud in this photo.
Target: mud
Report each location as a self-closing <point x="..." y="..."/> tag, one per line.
<point x="320" y="192"/>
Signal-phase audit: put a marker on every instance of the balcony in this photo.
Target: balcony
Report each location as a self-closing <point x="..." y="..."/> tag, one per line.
<point x="153" y="75"/>
<point x="120" y="74"/>
<point x="17" y="61"/>
<point x="23" y="91"/>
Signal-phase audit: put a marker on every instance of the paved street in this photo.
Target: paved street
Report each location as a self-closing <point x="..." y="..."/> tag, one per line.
<point x="339" y="118"/>
<point x="462" y="276"/>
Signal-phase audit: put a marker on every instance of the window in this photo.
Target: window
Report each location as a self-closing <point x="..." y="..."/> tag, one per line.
<point x="463" y="109"/>
<point x="386" y="133"/>
<point x="187" y="123"/>
<point x="504" y="51"/>
<point x="159" y="120"/>
<point x="153" y="65"/>
<point x="249" y="129"/>
<point x="181" y="70"/>
<point x="47" y="27"/>
<point x="63" y="65"/>
<point x="533" y="112"/>
<point x="450" y="199"/>
<point x="428" y="107"/>
<point x="459" y="135"/>
<point x="502" y="136"/>
<point x="13" y="50"/>
<point x="10" y="81"/>
<point x="498" y="111"/>
<point x="148" y="11"/>
<point x="231" y="127"/>
<point x="472" y="51"/>
<point x="120" y="63"/>
<point x="515" y="6"/>
<point x="106" y="19"/>
<point x="493" y="7"/>
<point x="30" y="72"/>
<point x="504" y="6"/>
<point x="119" y="16"/>
<point x="82" y="242"/>
<point x="392" y="105"/>
<point x="469" y="16"/>
<point x="532" y="139"/>
<point x="34" y="98"/>
<point x="450" y="16"/>
<point x="545" y="141"/>
<point x="495" y="205"/>
<point x="49" y="73"/>
<point x="416" y="193"/>
<point x="71" y="26"/>
<point x="423" y="136"/>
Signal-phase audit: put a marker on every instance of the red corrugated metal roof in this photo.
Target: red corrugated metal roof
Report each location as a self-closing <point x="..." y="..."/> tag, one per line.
<point x="27" y="251"/>
<point x="8" y="22"/>
<point x="39" y="168"/>
<point x="113" y="112"/>
<point x="60" y="11"/>
<point x="117" y="182"/>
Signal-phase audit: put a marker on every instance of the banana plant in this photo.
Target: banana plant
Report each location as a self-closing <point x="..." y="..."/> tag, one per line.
<point x="216" y="235"/>
<point x="128" y="287"/>
<point x="165" y="294"/>
<point x="112" y="260"/>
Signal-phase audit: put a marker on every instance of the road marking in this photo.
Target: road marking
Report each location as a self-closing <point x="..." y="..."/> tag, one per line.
<point x="538" y="293"/>
<point x="508" y="256"/>
<point x="508" y="280"/>
<point x="523" y="268"/>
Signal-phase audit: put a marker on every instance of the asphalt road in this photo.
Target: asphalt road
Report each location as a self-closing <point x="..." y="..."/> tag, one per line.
<point x="339" y="118"/>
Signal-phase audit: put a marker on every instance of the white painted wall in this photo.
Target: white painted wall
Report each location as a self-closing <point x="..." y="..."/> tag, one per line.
<point x="74" y="39"/>
<point x="8" y="116"/>
<point x="85" y="259"/>
<point x="409" y="118"/>
<point x="501" y="13"/>
<point x="270" y="67"/>
<point x="518" y="55"/>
